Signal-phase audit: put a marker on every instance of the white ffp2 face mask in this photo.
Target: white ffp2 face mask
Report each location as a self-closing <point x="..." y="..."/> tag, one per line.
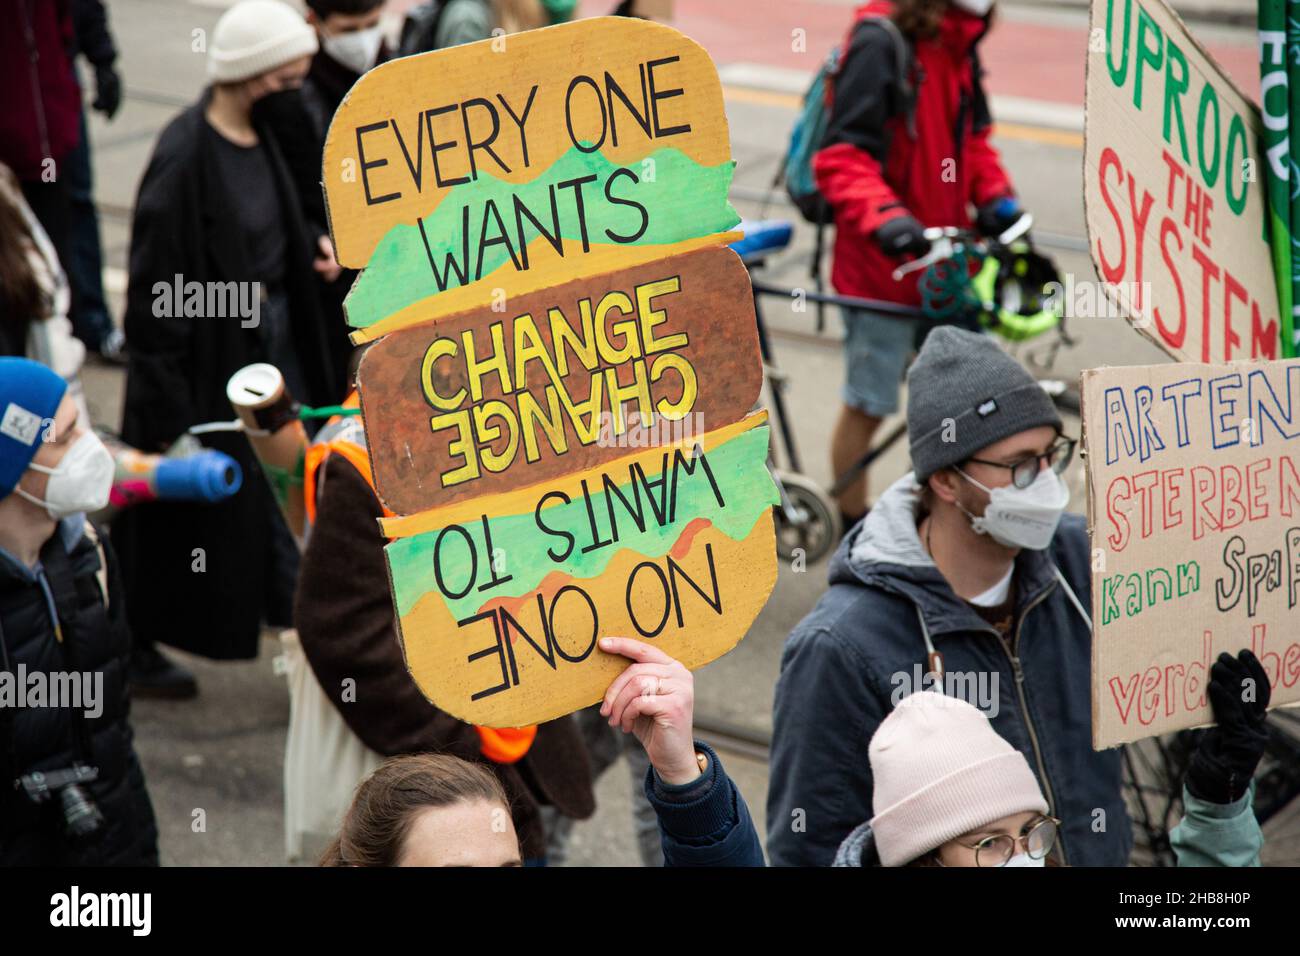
<point x="1024" y="859"/>
<point x="1022" y="517"/>
<point x="81" y="481"/>
<point x="357" y="50"/>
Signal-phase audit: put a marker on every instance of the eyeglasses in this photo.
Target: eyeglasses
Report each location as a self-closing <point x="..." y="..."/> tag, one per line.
<point x="1038" y="835"/>
<point x="1025" y="471"/>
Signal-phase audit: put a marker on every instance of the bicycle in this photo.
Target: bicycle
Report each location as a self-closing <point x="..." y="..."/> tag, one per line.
<point x="1153" y="769"/>
<point x="807" y="518"/>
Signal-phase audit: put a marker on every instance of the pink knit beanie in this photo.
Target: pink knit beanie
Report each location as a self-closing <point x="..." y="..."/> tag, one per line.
<point x="941" y="770"/>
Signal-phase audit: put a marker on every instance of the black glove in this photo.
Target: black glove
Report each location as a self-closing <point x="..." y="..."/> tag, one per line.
<point x="108" y="91"/>
<point x="902" y="235"/>
<point x="1228" y="753"/>
<point x="996" y="217"/>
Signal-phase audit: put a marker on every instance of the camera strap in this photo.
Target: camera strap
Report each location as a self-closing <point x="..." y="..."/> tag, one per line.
<point x="10" y="778"/>
<point x="56" y="578"/>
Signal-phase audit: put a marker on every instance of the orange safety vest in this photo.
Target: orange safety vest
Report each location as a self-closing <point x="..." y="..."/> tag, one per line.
<point x="344" y="435"/>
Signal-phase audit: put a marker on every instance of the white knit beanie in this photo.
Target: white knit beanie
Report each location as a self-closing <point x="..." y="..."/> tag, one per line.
<point x="941" y="770"/>
<point x="254" y="36"/>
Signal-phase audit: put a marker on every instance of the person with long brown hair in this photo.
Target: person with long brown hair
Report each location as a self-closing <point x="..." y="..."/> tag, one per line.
<point x="440" y="810"/>
<point x="34" y="294"/>
<point x="427" y="810"/>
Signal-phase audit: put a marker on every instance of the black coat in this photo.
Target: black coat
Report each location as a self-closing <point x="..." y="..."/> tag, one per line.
<point x="212" y="602"/>
<point x="327" y="83"/>
<point x="344" y="615"/>
<point x="95" y="639"/>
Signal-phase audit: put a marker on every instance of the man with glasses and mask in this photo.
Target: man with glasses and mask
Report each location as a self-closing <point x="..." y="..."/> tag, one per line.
<point x="217" y="212"/>
<point x="966" y="577"/>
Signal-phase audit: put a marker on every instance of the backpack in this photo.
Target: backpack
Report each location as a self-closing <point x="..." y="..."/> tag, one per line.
<point x="809" y="133"/>
<point x="809" y="130"/>
<point x="420" y="28"/>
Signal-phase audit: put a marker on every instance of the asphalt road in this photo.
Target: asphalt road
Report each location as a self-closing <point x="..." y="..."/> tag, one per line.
<point x="223" y="753"/>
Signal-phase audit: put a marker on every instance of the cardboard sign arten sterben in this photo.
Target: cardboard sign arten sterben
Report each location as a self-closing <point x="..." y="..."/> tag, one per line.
<point x="1194" y="509"/>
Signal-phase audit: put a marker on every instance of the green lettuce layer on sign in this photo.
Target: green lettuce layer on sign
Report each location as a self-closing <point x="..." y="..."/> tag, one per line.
<point x="739" y="466"/>
<point x="683" y="200"/>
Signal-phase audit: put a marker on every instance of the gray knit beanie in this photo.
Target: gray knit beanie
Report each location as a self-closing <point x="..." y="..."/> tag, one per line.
<point x="963" y="394"/>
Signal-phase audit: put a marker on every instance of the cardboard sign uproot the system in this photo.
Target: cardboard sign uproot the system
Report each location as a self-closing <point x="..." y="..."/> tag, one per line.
<point x="558" y="413"/>
<point x="1194" y="504"/>
<point x="1174" y="190"/>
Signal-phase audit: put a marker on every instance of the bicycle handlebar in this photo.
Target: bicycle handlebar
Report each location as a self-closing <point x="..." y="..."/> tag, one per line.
<point x="945" y="241"/>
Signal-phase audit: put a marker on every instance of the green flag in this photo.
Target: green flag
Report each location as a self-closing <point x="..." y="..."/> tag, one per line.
<point x="1275" y="98"/>
<point x="1290" y="325"/>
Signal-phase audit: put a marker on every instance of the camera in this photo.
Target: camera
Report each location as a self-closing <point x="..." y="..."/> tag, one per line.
<point x="82" y="819"/>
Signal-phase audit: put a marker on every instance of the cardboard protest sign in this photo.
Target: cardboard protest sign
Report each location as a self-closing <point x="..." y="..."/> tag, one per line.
<point x="1173" y="188"/>
<point x="501" y="598"/>
<point x="1194" y="510"/>
<point x="557" y="411"/>
<point x="511" y="164"/>
<point x="544" y="384"/>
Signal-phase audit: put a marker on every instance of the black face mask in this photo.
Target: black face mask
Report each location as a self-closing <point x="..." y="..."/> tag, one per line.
<point x="282" y="111"/>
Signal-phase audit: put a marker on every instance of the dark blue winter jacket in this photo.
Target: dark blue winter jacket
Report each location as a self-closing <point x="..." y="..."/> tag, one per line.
<point x="704" y="822"/>
<point x="863" y="647"/>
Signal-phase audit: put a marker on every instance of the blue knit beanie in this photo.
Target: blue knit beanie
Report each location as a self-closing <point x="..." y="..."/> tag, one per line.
<point x="30" y="395"/>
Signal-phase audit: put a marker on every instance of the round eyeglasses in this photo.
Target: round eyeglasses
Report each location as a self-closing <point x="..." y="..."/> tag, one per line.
<point x="1038" y="836"/>
<point x="1025" y="471"/>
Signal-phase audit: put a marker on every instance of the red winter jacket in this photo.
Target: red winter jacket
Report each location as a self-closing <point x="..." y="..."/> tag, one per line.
<point x="41" y="117"/>
<point x="871" y="170"/>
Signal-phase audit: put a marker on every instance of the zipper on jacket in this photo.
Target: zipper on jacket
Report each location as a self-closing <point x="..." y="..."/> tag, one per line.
<point x="959" y="128"/>
<point x="1014" y="655"/>
<point x="33" y="55"/>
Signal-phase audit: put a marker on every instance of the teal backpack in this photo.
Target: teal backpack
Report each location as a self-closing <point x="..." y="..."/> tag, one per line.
<point x="810" y="128"/>
<point x="809" y="132"/>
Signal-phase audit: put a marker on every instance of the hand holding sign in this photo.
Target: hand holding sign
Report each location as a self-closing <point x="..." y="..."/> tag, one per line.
<point x="654" y="698"/>
<point x="559" y="412"/>
<point x="1227" y="754"/>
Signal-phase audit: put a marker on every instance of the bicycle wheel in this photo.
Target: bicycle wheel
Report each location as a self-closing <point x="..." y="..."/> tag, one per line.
<point x="1152" y="784"/>
<point x="810" y="526"/>
<point x="1154" y="770"/>
<point x="1277" y="790"/>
